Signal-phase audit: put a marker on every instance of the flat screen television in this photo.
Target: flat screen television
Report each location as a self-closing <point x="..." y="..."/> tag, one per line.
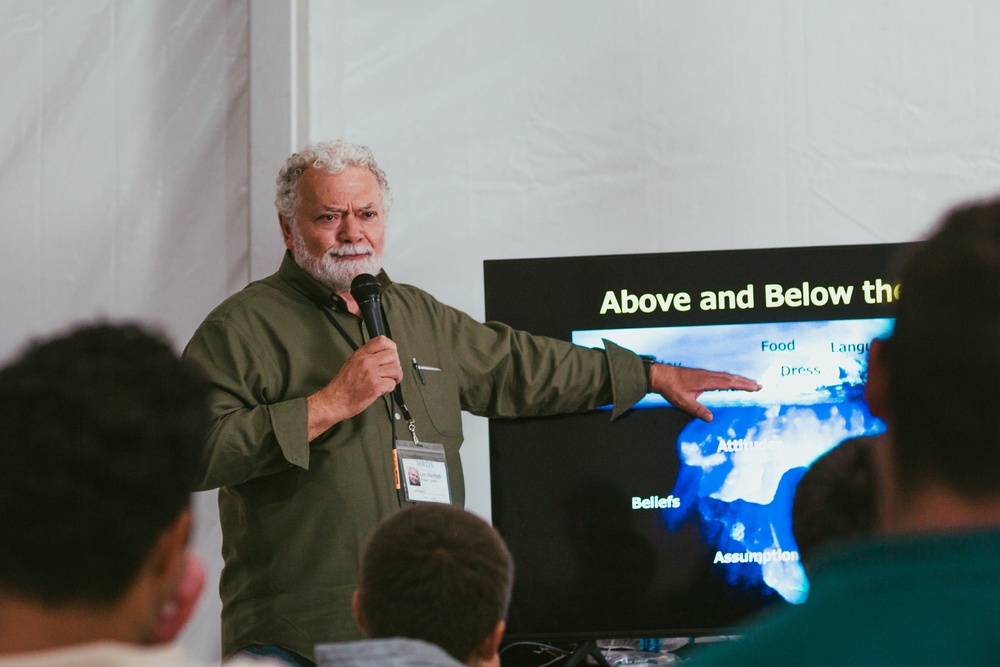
<point x="658" y="524"/>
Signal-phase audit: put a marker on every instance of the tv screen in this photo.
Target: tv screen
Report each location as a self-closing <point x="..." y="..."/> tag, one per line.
<point x="658" y="524"/>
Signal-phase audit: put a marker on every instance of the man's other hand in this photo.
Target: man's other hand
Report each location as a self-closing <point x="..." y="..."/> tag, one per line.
<point x="682" y="386"/>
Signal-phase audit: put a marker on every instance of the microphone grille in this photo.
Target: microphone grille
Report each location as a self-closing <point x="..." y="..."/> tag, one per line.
<point x="365" y="286"/>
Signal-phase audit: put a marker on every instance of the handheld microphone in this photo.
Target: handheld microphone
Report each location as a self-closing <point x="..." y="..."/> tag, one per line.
<point x="367" y="293"/>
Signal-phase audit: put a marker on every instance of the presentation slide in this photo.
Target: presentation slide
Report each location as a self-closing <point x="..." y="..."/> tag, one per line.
<point x="812" y="376"/>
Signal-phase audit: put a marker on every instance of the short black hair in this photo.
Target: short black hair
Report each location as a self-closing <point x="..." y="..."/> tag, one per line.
<point x="943" y="357"/>
<point x="437" y="573"/>
<point x="836" y="499"/>
<point x="100" y="430"/>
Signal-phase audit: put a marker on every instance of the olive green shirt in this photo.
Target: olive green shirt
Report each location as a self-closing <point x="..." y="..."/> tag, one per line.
<point x="295" y="514"/>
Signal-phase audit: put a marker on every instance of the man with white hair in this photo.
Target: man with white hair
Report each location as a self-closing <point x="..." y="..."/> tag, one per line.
<point x="304" y="436"/>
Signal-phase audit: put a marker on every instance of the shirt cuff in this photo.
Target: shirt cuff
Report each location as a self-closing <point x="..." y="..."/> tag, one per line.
<point x="291" y="423"/>
<point x="628" y="378"/>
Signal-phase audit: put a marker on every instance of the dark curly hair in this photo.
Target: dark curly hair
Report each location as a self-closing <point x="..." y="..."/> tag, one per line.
<point x="100" y="430"/>
<point x="837" y="499"/>
<point x="436" y="573"/>
<point x="944" y="356"/>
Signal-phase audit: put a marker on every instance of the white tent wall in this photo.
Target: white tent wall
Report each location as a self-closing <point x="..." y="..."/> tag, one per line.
<point x="124" y="144"/>
<point x="526" y="128"/>
<point x="125" y="162"/>
<point x="139" y="142"/>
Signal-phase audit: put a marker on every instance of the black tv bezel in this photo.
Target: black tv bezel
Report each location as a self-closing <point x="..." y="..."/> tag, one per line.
<point x="559" y="295"/>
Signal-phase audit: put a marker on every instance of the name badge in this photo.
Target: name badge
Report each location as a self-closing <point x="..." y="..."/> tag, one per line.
<point x="423" y="472"/>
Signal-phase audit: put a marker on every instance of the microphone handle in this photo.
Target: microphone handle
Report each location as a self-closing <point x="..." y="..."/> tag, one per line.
<point x="371" y="313"/>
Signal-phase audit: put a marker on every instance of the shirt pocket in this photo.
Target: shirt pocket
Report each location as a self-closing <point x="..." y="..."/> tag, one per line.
<point x="438" y="393"/>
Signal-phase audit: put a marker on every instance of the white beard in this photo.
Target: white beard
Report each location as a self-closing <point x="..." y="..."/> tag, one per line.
<point x="330" y="268"/>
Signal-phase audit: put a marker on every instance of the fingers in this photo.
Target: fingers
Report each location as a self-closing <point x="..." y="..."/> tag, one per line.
<point x="379" y="343"/>
<point x="687" y="401"/>
<point x="382" y="359"/>
<point x="740" y="383"/>
<point x="668" y="379"/>
<point x="682" y="386"/>
<point x="713" y="381"/>
<point x="372" y="371"/>
<point x="729" y="381"/>
<point x="698" y="410"/>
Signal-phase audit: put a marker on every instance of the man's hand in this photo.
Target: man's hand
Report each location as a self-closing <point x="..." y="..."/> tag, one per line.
<point x="682" y="386"/>
<point x="372" y="371"/>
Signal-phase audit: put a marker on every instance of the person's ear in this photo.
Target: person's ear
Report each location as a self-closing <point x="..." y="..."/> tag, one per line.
<point x="877" y="386"/>
<point x="179" y="606"/>
<point x="176" y="578"/>
<point x="286" y="231"/>
<point x="356" y="608"/>
<point x="487" y="653"/>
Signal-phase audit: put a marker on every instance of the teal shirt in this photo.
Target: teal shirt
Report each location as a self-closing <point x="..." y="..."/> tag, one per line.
<point x="916" y="600"/>
<point x="295" y="514"/>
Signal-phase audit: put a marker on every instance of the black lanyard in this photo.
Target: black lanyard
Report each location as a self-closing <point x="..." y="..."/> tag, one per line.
<point x="400" y="494"/>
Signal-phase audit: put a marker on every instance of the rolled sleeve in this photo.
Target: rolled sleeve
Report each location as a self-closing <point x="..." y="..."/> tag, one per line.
<point x="628" y="378"/>
<point x="290" y="424"/>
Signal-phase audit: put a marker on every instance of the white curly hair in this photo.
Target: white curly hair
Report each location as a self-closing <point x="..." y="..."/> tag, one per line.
<point x="331" y="157"/>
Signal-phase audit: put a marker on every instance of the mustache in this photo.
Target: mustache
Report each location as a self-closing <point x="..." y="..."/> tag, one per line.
<point x="351" y="249"/>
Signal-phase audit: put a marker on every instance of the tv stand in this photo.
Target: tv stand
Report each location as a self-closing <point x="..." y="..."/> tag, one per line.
<point x="582" y="652"/>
